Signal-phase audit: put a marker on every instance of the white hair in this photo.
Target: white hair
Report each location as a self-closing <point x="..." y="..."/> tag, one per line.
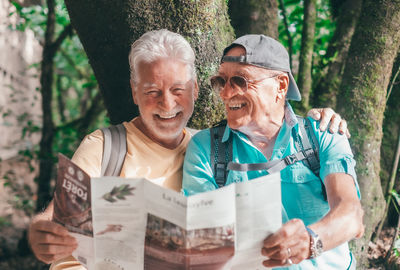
<point x="158" y="44"/>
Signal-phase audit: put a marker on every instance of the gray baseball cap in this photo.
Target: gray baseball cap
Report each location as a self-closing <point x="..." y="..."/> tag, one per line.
<point x="265" y="52"/>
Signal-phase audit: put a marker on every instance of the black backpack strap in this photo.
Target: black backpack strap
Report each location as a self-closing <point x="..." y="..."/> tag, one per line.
<point x="114" y="150"/>
<point x="221" y="153"/>
<point x="309" y="141"/>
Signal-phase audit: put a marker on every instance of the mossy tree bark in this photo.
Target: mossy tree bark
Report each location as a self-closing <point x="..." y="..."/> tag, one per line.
<point x="362" y="101"/>
<point x="304" y="79"/>
<point x="327" y="88"/>
<point x="108" y="28"/>
<point x="254" y="17"/>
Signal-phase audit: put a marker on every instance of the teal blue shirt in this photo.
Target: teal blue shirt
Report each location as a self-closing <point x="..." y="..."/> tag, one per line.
<point x="302" y="195"/>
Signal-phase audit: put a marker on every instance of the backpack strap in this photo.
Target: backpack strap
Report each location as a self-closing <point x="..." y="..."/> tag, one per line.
<point x="307" y="150"/>
<point x="309" y="142"/>
<point x="114" y="150"/>
<point x="221" y="153"/>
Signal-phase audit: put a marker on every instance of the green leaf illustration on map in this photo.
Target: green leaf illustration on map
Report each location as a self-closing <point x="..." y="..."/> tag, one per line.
<point x="118" y="193"/>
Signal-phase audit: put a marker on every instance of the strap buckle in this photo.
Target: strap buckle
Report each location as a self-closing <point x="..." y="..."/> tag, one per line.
<point x="220" y="173"/>
<point x="289" y="160"/>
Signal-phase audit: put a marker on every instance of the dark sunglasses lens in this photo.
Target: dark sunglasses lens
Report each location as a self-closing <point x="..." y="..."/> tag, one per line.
<point x="239" y="82"/>
<point x="217" y="83"/>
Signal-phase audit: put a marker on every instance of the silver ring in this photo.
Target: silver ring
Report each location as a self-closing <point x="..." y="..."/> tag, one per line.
<point x="289" y="261"/>
<point x="289" y="252"/>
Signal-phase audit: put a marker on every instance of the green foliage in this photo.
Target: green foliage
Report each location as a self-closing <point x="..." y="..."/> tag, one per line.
<point x="22" y="193"/>
<point x="5" y="221"/>
<point x="323" y="32"/>
<point x="74" y="89"/>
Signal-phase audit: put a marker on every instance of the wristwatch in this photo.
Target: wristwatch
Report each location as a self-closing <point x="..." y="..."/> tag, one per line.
<point x="316" y="246"/>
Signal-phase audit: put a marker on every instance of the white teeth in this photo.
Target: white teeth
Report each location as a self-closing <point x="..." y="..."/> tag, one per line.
<point x="236" y="106"/>
<point x="167" y="116"/>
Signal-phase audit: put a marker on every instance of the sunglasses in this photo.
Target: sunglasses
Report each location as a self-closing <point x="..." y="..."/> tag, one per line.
<point x="218" y="82"/>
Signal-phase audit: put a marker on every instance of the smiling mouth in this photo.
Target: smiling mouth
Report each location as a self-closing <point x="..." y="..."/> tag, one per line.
<point x="167" y="116"/>
<point x="236" y="106"/>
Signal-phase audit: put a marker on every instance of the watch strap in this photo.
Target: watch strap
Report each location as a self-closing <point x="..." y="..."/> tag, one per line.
<point x="316" y="246"/>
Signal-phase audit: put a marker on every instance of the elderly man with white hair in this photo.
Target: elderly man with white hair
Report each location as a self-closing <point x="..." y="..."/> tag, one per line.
<point x="164" y="87"/>
<point x="255" y="81"/>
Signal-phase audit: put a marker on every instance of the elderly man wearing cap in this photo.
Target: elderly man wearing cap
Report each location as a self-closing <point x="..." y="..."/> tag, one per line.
<point x="254" y="82"/>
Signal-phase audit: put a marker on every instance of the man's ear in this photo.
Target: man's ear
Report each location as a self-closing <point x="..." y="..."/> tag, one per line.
<point x="133" y="91"/>
<point x="283" y="81"/>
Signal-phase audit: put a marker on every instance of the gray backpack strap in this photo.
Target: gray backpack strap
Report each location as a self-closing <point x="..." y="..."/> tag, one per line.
<point x="221" y="153"/>
<point x="271" y="166"/>
<point x="114" y="150"/>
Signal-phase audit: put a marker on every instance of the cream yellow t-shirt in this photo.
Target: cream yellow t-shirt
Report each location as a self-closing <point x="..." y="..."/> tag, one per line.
<point x="144" y="158"/>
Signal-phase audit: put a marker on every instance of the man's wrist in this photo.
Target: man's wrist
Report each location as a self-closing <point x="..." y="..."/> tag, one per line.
<point x="316" y="246"/>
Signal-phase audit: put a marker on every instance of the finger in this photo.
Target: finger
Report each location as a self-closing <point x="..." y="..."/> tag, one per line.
<point x="285" y="234"/>
<point x="343" y="128"/>
<point x="51" y="227"/>
<point x="348" y="135"/>
<point x="49" y="238"/>
<point x="315" y="113"/>
<point x="51" y="253"/>
<point x="326" y="115"/>
<point x="274" y="263"/>
<point x="50" y="258"/>
<point x="56" y="249"/>
<point x="335" y="121"/>
<point x="275" y="253"/>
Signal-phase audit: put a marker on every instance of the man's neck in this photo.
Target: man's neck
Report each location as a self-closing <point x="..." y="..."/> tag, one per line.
<point x="264" y="133"/>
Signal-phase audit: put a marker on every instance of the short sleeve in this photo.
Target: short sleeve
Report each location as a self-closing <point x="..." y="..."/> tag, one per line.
<point x="335" y="154"/>
<point x="197" y="172"/>
<point x="89" y="154"/>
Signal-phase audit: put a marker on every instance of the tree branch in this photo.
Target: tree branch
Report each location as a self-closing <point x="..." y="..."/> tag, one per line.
<point x="289" y="36"/>
<point x="67" y="31"/>
<point x="392" y="84"/>
<point x="84" y="121"/>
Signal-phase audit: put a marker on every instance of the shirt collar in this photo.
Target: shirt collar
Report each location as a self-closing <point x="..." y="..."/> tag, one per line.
<point x="290" y="116"/>
<point x="284" y="134"/>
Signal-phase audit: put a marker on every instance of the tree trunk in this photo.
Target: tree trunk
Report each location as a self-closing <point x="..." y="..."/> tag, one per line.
<point x="254" y="17"/>
<point x="328" y="86"/>
<point x="108" y="28"/>
<point x="46" y="142"/>
<point x="46" y="81"/>
<point x="287" y="32"/>
<point x="362" y="102"/>
<point x="304" y="79"/>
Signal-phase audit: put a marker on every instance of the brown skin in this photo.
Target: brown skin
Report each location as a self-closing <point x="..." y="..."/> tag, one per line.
<point x="260" y="116"/>
<point x="50" y="241"/>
